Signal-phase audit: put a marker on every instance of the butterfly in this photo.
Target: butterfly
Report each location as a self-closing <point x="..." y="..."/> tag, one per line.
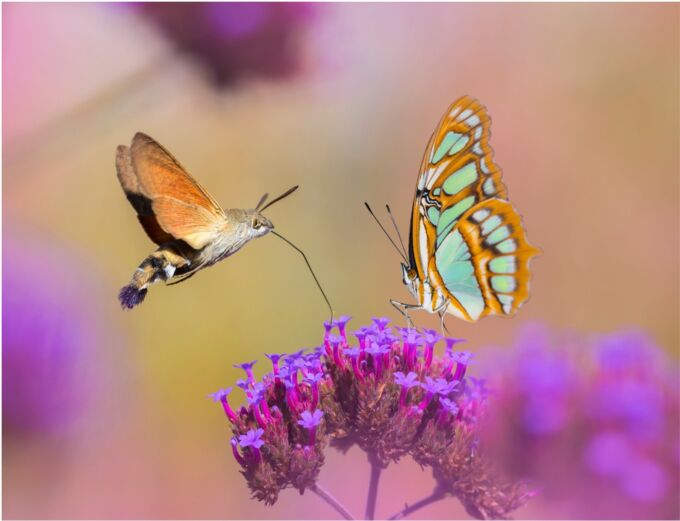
<point x="468" y="253"/>
<point x="191" y="230"/>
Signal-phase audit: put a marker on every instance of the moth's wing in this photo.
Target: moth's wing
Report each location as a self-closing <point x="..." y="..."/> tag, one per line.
<point x="140" y="202"/>
<point x="181" y="207"/>
<point x="482" y="264"/>
<point x="456" y="173"/>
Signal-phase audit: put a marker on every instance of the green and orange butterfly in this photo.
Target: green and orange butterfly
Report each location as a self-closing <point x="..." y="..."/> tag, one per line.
<point x="468" y="253"/>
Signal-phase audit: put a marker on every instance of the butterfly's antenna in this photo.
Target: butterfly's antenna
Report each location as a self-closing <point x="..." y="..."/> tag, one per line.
<point x="389" y="211"/>
<point x="262" y="200"/>
<point x="387" y="234"/>
<point x="309" y="266"/>
<point x="285" y="194"/>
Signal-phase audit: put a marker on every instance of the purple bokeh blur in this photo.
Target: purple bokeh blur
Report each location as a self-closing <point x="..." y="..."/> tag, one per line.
<point x="597" y="421"/>
<point x="48" y="334"/>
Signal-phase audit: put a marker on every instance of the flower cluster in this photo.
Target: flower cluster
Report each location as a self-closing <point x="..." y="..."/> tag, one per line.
<point x="598" y="422"/>
<point x="387" y="392"/>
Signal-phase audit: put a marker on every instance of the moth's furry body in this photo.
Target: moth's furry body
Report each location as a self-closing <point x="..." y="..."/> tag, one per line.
<point x="192" y="231"/>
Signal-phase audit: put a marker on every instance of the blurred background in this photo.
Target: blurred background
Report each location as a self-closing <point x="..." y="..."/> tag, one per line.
<point x="105" y="412"/>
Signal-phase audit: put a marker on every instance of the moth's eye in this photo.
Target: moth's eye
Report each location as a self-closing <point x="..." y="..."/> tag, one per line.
<point x="257" y="223"/>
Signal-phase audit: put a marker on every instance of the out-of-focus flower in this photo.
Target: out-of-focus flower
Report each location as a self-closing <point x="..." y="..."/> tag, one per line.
<point x="48" y="368"/>
<point x="235" y="41"/>
<point x="597" y="421"/>
<point x="390" y="395"/>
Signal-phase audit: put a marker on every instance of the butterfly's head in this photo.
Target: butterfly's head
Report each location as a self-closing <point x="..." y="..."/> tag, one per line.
<point x="259" y="224"/>
<point x="410" y="277"/>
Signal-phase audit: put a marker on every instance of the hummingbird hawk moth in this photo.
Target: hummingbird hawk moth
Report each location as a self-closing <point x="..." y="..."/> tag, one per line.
<point x="190" y="228"/>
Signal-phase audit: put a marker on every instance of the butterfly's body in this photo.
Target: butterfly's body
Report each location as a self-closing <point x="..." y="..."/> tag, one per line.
<point x="191" y="229"/>
<point x="468" y="254"/>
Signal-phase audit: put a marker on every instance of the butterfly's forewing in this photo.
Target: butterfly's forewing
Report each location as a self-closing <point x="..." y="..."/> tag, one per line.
<point x="181" y="208"/>
<point x="457" y="172"/>
<point x="457" y="177"/>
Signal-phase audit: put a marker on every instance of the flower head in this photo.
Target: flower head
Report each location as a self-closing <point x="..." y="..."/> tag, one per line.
<point x="391" y="398"/>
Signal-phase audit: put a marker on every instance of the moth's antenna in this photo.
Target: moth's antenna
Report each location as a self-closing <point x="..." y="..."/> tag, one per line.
<point x="261" y="201"/>
<point x="389" y="211"/>
<point x="308" y="265"/>
<point x="285" y="194"/>
<point x="387" y="234"/>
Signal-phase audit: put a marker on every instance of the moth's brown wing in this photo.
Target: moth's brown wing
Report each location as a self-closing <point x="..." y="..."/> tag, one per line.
<point x="140" y="202"/>
<point x="181" y="207"/>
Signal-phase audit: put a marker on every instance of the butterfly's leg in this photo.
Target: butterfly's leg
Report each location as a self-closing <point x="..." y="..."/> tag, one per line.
<point x="403" y="309"/>
<point x="441" y="311"/>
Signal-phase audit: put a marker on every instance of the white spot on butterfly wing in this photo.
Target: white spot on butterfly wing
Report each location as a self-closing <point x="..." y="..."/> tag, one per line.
<point x="506" y="302"/>
<point x="473" y="120"/>
<point x="422" y="241"/>
<point x="485" y="167"/>
<point x="480" y="215"/>
<point x="433" y="175"/>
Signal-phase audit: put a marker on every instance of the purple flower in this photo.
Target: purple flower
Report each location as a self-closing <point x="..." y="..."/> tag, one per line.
<point x="221" y="394"/>
<point x="408" y="381"/>
<point x="335" y="342"/>
<point x="310" y="420"/>
<point x="275" y="361"/>
<point x="381" y="322"/>
<point x="449" y="406"/>
<point x="352" y="352"/>
<point x="248" y="368"/>
<point x="313" y="378"/>
<point x="431" y="337"/>
<point x="450" y="343"/>
<point x="237" y="456"/>
<point x="439" y="386"/>
<point x="252" y="438"/>
<point x="341" y="323"/>
<point x="360" y="334"/>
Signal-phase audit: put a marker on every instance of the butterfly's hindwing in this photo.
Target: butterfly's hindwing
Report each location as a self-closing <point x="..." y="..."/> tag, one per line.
<point x="484" y="263"/>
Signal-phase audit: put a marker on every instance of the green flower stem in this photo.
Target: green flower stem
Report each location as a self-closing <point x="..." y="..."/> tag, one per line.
<point x="436" y="495"/>
<point x="376" y="470"/>
<point x="326" y="496"/>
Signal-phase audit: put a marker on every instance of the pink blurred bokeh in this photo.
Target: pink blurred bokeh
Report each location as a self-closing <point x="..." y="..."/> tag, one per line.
<point x="584" y="104"/>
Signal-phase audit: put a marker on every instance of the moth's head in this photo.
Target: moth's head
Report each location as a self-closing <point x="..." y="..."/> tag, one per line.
<point x="260" y="224"/>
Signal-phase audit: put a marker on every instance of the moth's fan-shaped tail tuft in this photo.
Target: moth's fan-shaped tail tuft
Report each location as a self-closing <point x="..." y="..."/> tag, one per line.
<point x="130" y="296"/>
